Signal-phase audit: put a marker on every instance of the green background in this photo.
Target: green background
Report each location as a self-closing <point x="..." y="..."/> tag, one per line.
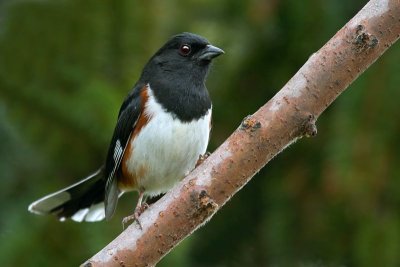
<point x="66" y="66"/>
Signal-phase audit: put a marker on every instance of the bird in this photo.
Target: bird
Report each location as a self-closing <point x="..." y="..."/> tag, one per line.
<point x="162" y="129"/>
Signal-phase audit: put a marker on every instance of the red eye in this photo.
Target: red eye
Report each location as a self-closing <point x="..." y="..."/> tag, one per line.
<point x="184" y="50"/>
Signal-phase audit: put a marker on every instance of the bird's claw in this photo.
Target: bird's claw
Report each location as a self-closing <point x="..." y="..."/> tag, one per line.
<point x="202" y="158"/>
<point x="135" y="216"/>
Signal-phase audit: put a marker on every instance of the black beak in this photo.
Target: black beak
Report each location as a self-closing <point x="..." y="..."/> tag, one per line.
<point x="210" y="52"/>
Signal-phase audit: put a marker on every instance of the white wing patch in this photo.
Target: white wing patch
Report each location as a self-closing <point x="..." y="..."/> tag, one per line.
<point x="117" y="151"/>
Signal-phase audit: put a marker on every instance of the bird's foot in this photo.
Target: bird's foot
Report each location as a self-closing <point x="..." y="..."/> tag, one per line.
<point x="202" y="158"/>
<point x="135" y="216"/>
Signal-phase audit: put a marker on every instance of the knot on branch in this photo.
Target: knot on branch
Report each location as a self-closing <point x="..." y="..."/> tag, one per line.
<point x="309" y="128"/>
<point x="249" y="123"/>
<point x="204" y="205"/>
<point x="363" y="40"/>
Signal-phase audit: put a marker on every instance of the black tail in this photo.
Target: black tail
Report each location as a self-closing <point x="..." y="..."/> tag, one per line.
<point x="83" y="201"/>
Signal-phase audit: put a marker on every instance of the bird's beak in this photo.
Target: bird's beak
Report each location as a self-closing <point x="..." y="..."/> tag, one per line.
<point x="210" y="52"/>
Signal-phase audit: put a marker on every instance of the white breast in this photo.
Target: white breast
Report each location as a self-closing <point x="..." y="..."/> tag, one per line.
<point x="166" y="149"/>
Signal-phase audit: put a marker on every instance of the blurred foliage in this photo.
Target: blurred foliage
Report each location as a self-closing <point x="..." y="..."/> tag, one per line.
<point x="65" y="67"/>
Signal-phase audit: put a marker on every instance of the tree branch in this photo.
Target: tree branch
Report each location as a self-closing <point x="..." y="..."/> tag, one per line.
<point x="288" y="116"/>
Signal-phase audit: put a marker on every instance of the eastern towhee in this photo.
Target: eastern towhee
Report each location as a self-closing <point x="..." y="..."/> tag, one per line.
<point x="163" y="127"/>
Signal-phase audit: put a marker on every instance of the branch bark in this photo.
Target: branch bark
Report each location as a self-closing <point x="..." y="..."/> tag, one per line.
<point x="288" y="116"/>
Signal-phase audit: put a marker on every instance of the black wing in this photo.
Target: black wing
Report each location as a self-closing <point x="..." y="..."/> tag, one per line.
<point x="127" y="119"/>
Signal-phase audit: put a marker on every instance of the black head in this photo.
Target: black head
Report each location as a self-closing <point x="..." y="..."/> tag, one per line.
<point x="186" y="55"/>
<point x="177" y="74"/>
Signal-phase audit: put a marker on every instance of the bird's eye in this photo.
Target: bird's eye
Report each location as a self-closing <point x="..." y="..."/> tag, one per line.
<point x="184" y="50"/>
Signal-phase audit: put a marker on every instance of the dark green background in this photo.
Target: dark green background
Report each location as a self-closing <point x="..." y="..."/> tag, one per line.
<point x="65" y="67"/>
